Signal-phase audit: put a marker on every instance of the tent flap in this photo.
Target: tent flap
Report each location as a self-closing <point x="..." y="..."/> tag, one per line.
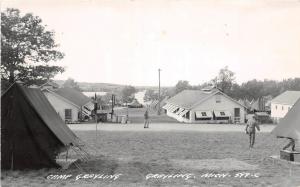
<point x="289" y="126"/>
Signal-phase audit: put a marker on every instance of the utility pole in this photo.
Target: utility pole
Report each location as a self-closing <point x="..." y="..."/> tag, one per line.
<point x="158" y="110"/>
<point x="112" y="105"/>
<point x="96" y="116"/>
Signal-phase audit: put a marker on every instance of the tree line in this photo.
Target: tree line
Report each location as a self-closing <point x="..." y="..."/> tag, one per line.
<point x="252" y="89"/>
<point x="225" y="81"/>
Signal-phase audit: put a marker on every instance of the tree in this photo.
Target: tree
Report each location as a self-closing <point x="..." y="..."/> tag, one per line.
<point x="236" y="92"/>
<point x="182" y="85"/>
<point x="70" y="83"/>
<point x="255" y="89"/>
<point x="106" y="98"/>
<point x="168" y="92"/>
<point x="127" y="94"/>
<point x="26" y="49"/>
<point x="224" y="80"/>
<point x="151" y="95"/>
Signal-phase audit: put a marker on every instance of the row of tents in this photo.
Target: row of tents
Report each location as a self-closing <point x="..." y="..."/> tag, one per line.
<point x="260" y="104"/>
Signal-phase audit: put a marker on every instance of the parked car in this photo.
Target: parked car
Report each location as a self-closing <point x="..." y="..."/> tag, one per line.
<point x="134" y="104"/>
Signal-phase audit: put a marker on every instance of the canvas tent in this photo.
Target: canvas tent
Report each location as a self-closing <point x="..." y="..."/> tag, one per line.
<point x="32" y="133"/>
<point x="289" y="126"/>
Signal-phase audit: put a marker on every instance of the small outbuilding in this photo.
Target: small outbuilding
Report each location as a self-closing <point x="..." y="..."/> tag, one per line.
<point x="71" y="105"/>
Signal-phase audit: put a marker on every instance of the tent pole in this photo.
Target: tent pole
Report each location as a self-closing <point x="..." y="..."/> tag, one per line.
<point x="12" y="161"/>
<point x="96" y="127"/>
<point x="67" y="154"/>
<point x="12" y="157"/>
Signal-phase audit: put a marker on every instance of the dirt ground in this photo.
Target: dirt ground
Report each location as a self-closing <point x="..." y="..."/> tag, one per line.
<point x="166" y="127"/>
<point x="169" y="157"/>
<point x="136" y="115"/>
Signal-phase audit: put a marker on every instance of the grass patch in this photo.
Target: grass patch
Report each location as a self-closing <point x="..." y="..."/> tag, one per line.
<point x="137" y="154"/>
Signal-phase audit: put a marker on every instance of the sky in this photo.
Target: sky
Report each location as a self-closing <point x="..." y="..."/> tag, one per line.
<point x="127" y="41"/>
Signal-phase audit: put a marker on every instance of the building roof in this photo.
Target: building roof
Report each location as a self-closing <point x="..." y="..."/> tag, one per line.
<point x="287" y="97"/>
<point x="188" y="98"/>
<point x="73" y="95"/>
<point x="191" y="98"/>
<point x="162" y="102"/>
<point x="50" y="83"/>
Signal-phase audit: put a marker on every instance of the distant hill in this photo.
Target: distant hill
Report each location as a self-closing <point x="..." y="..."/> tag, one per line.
<point x="95" y="87"/>
<point x="104" y="87"/>
<point x="150" y="87"/>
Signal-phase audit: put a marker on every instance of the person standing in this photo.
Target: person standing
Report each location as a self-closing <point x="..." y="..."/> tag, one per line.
<point x="146" y="117"/>
<point x="251" y="127"/>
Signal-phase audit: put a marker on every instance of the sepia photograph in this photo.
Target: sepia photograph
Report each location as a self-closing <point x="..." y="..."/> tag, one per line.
<point x="138" y="93"/>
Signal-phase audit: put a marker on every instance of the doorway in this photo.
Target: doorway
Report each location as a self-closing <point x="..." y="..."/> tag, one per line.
<point x="237" y="115"/>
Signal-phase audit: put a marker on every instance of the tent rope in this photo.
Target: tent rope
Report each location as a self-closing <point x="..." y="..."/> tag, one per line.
<point x="92" y="149"/>
<point x="79" y="153"/>
<point x="78" y="167"/>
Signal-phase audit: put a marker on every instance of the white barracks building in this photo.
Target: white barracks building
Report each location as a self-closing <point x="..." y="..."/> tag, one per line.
<point x="281" y="104"/>
<point x="205" y="106"/>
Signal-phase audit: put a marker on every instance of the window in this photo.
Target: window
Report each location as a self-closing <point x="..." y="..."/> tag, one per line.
<point x="282" y="108"/>
<point x="237" y="112"/>
<point x="276" y="107"/>
<point x="289" y="108"/>
<point x="203" y="115"/>
<point x="222" y="113"/>
<point x="218" y="98"/>
<point x="68" y="114"/>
